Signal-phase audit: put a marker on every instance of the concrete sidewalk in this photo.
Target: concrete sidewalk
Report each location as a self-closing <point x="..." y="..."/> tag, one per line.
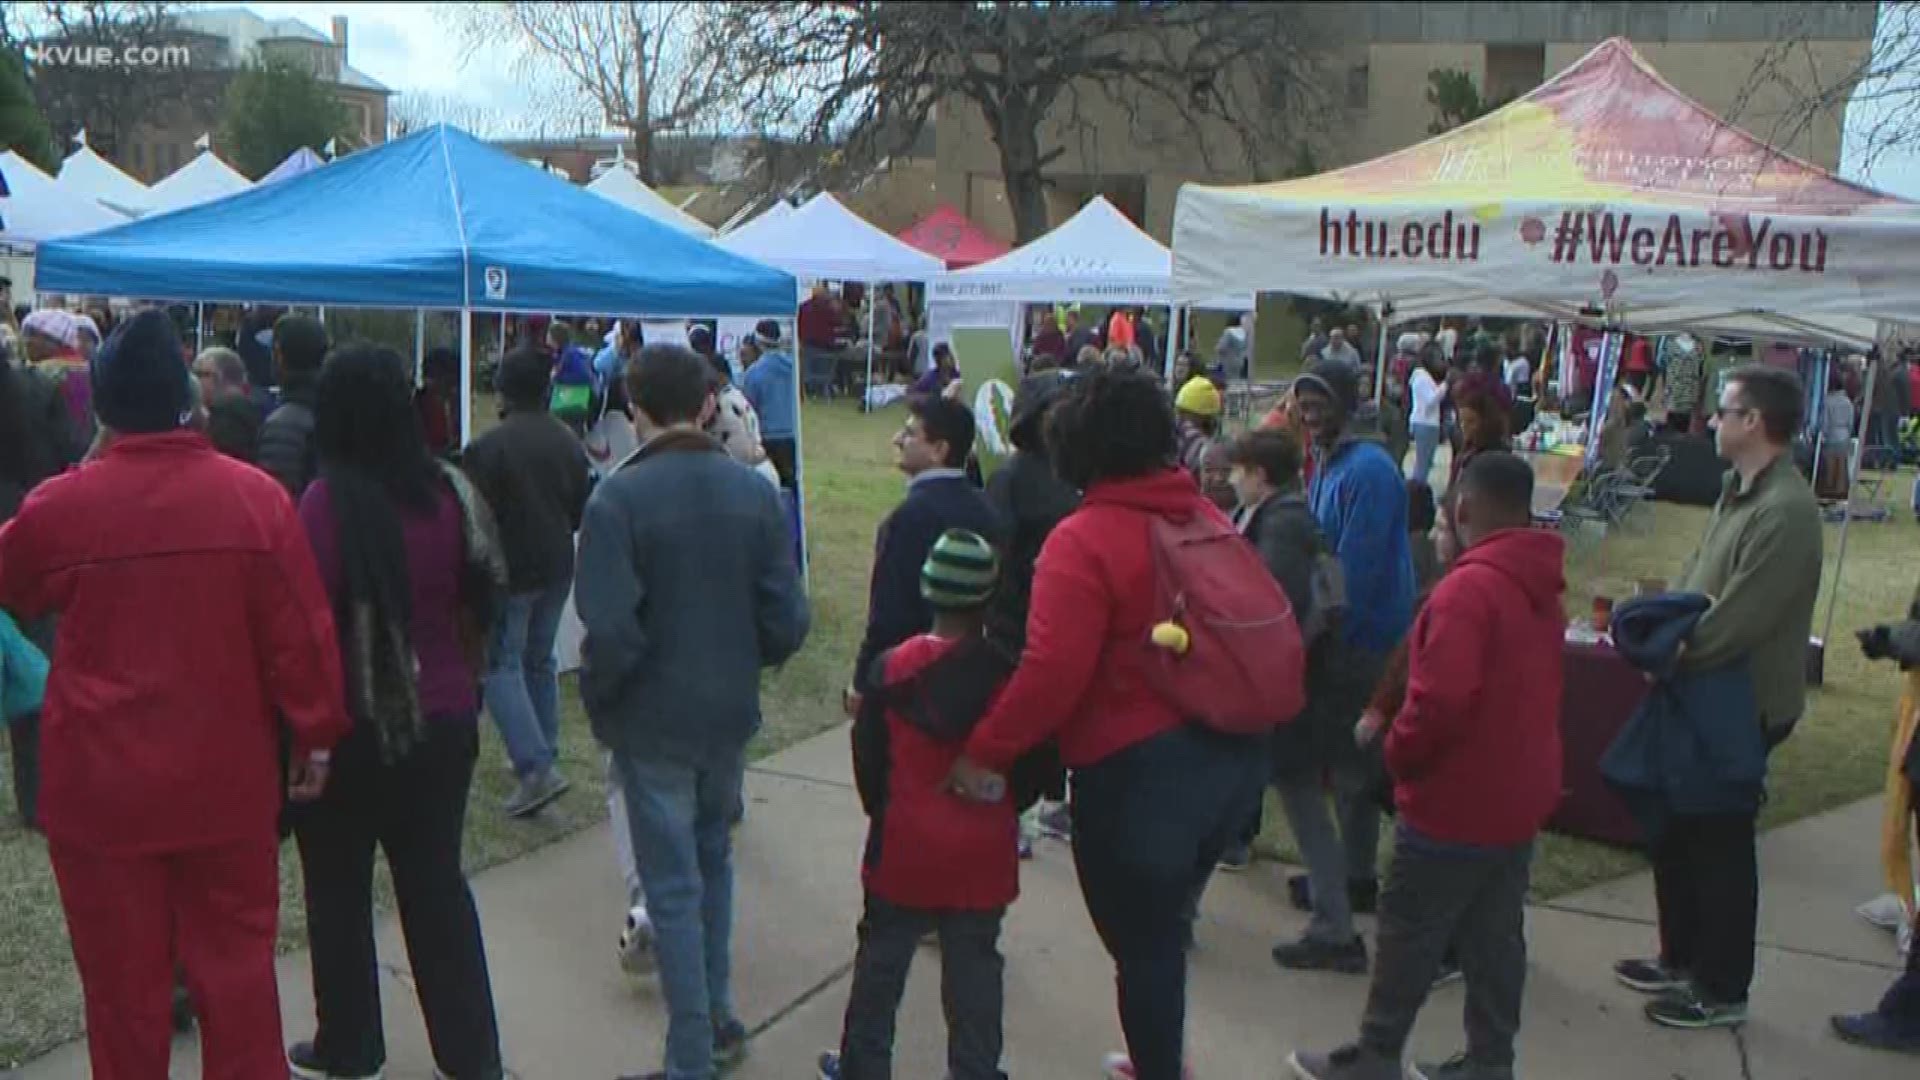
<point x="567" y="1012"/>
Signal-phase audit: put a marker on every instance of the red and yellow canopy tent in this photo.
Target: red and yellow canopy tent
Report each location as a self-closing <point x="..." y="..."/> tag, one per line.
<point x="1605" y="187"/>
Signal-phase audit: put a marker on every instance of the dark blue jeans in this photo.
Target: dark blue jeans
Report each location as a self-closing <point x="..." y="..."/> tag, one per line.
<point x="1149" y="825"/>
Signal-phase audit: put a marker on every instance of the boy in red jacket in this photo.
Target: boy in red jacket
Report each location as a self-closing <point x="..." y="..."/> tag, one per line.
<point x="935" y="862"/>
<point x="1475" y="759"/>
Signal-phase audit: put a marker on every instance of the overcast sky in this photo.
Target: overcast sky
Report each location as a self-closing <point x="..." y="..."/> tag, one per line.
<point x="407" y="47"/>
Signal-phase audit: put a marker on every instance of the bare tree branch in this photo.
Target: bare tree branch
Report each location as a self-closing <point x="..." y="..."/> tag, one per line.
<point x="1874" y="102"/>
<point x="866" y="76"/>
<point x="629" y="66"/>
<point x="411" y="111"/>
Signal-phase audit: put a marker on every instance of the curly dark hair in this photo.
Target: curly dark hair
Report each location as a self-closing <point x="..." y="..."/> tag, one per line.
<point x="1111" y="425"/>
<point x="1488" y="399"/>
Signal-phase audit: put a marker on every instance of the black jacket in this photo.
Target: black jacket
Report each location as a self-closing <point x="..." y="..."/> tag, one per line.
<point x="895" y="610"/>
<point x="1030" y="499"/>
<point x="535" y="476"/>
<point x="286" y="442"/>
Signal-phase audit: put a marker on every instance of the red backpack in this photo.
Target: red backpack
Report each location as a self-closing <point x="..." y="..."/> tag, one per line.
<point x="1243" y="668"/>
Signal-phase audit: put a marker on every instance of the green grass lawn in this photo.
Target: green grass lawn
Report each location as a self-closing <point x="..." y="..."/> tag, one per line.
<point x="1838" y="754"/>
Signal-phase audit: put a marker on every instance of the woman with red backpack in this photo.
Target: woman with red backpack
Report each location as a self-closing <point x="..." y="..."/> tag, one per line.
<point x="1164" y="777"/>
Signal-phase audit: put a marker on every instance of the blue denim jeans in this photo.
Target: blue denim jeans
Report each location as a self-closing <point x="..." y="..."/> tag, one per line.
<point x="679" y="817"/>
<point x="522" y="686"/>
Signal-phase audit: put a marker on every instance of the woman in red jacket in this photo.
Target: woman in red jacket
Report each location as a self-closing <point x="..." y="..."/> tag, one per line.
<point x="1156" y="800"/>
<point x="185" y="625"/>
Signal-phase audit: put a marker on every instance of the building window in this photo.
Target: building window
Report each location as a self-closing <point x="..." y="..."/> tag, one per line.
<point x="1357" y="86"/>
<point x="1513" y="70"/>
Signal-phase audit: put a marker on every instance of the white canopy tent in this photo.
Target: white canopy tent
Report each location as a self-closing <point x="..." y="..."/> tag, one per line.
<point x="780" y="208"/>
<point x="822" y="240"/>
<point x="621" y="185"/>
<point x="201" y="180"/>
<point x="38" y="208"/>
<point x="87" y="173"/>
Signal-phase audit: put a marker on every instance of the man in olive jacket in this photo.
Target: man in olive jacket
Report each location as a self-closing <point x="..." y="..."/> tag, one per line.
<point x="1760" y="563"/>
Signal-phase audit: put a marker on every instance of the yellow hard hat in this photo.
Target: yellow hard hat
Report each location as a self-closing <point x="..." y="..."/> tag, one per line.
<point x="1199" y="397"/>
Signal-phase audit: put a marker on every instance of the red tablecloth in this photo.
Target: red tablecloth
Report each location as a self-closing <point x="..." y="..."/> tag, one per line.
<point x="1602" y="691"/>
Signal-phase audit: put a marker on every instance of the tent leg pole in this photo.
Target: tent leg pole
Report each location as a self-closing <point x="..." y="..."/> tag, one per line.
<point x="800" y="469"/>
<point x="1380" y="355"/>
<point x="323" y="315"/>
<point x="419" y="343"/>
<point x="866" y="389"/>
<point x="466" y="376"/>
<point x="1853" y="470"/>
<point x="199" y="327"/>
<point x="1176" y="324"/>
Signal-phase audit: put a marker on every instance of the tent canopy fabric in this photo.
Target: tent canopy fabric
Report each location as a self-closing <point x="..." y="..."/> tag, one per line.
<point x="37" y="208"/>
<point x="435" y="220"/>
<point x="825" y="241"/>
<point x="303" y="160"/>
<point x="623" y="187"/>
<point x="201" y="180"/>
<point x="953" y="238"/>
<point x="87" y="173"/>
<point x="1096" y="256"/>
<point x="1603" y="186"/>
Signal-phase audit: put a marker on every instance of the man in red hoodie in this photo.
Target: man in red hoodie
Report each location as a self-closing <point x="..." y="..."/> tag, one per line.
<point x="1475" y="760"/>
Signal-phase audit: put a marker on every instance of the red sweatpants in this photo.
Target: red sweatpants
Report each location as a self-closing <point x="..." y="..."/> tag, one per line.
<point x="215" y="910"/>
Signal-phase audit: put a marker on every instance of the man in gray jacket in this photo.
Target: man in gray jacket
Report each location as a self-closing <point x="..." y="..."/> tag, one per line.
<point x="687" y="588"/>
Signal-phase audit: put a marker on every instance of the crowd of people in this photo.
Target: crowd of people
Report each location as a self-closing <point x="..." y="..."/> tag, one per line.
<point x="359" y="596"/>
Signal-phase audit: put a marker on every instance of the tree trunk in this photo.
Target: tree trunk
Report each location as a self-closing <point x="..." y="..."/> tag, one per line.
<point x="1017" y="137"/>
<point x="643" y="151"/>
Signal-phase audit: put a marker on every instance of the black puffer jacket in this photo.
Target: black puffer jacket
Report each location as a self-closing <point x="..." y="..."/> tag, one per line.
<point x="286" y="442"/>
<point x="1031" y="499"/>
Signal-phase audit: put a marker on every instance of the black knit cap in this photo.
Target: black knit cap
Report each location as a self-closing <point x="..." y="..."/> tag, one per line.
<point x="1338" y="381"/>
<point x="140" y="377"/>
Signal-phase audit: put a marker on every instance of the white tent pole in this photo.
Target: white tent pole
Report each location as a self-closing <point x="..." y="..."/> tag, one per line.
<point x="866" y="390"/>
<point x="1176" y="317"/>
<point x="419" y="343"/>
<point x="199" y="327"/>
<point x="466" y="376"/>
<point x="1380" y="353"/>
<point x="799" y="466"/>
<point x="1853" y="470"/>
<point x="503" y="335"/>
<point x="323" y="314"/>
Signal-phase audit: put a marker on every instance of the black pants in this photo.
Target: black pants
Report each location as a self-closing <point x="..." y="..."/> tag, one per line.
<point x="1149" y="825"/>
<point x="780" y="452"/>
<point x="415" y="810"/>
<point x="1438" y="898"/>
<point x="23" y="735"/>
<point x="971" y="981"/>
<point x="1706" y="880"/>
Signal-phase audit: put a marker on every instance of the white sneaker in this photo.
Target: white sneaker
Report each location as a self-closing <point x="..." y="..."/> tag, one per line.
<point x="637" y="956"/>
<point x="1884" y="912"/>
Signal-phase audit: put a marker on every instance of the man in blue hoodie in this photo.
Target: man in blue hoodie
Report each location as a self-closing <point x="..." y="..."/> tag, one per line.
<point x="687" y="588"/>
<point x="1360" y="501"/>
<point x="768" y="384"/>
<point x="932" y="451"/>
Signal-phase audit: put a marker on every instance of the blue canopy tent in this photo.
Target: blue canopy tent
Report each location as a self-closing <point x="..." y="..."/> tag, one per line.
<point x="436" y="220"/>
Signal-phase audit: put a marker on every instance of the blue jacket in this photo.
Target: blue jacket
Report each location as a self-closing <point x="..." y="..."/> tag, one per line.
<point x="687" y="588"/>
<point x="1695" y="745"/>
<point x="23" y="673"/>
<point x="769" y="385"/>
<point x="936" y="501"/>
<point x="1360" y="501"/>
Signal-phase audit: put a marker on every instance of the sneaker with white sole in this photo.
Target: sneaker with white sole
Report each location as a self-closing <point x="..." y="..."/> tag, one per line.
<point x="1120" y="1067"/>
<point x="304" y="1062"/>
<point x="535" y="793"/>
<point x="637" y="956"/>
<point x="1350" y="1062"/>
<point x="1885" y="912"/>
<point x="1649" y="976"/>
<point x="1687" y="1009"/>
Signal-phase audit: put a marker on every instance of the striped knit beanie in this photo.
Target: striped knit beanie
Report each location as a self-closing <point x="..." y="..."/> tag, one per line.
<point x="960" y="571"/>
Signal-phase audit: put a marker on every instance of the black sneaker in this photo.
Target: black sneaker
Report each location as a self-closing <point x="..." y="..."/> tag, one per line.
<point x="1687" y="1009"/>
<point x="1300" y="892"/>
<point x="1308" y="954"/>
<point x="1449" y="974"/>
<point x="729" y="1044"/>
<point x="304" y="1062"/>
<point x="1363" y="895"/>
<point x="1874" y="1031"/>
<point x="1457" y="1067"/>
<point x="1649" y="976"/>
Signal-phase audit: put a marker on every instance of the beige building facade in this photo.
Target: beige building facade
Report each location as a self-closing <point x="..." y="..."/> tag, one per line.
<point x="1372" y="63"/>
